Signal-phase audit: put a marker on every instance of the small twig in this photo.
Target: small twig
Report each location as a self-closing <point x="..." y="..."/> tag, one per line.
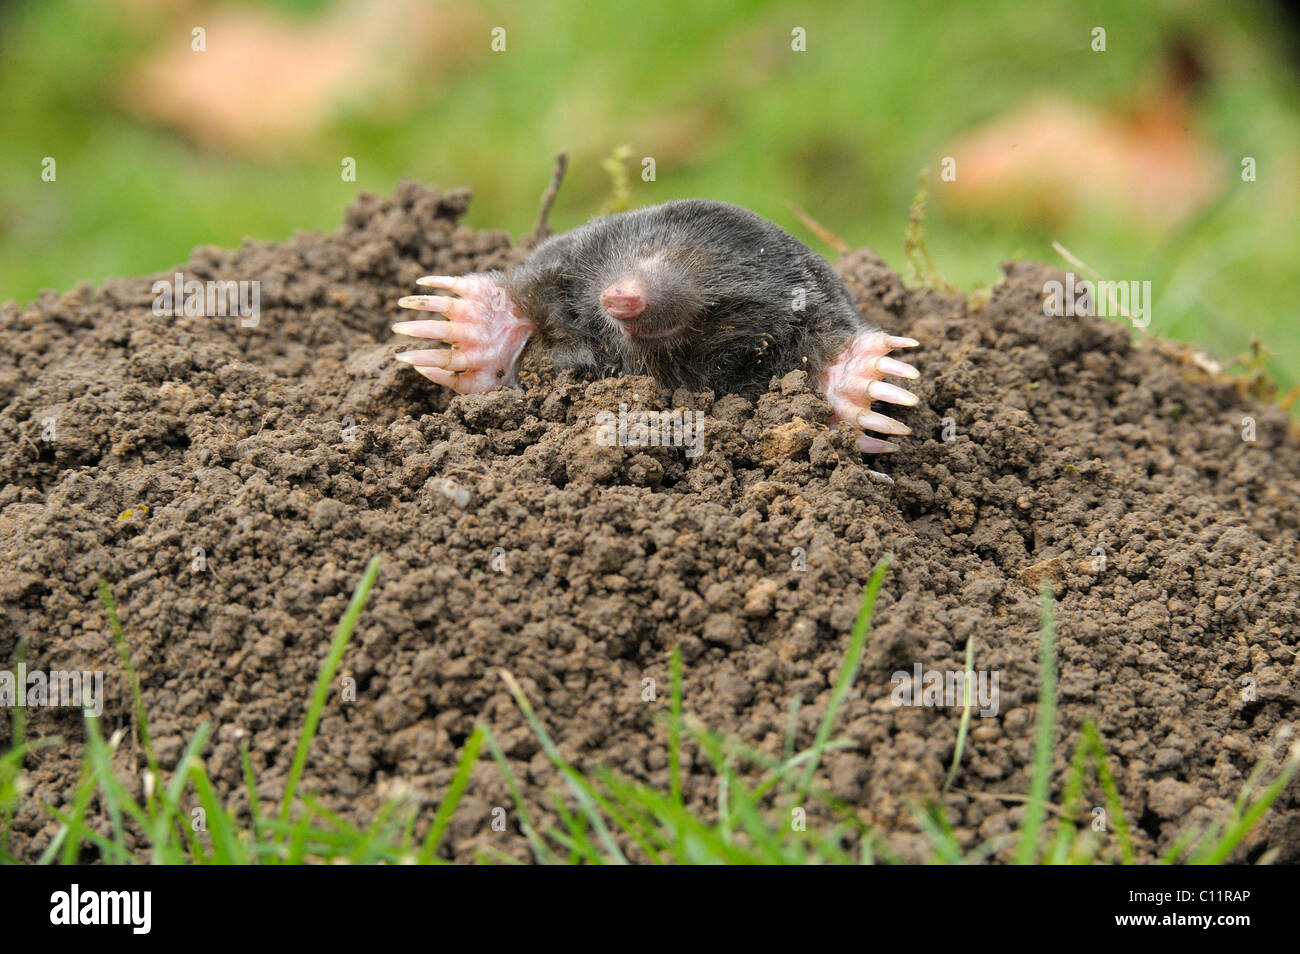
<point x="819" y="230"/>
<point x="965" y="713"/>
<point x="1016" y="799"/>
<point x="918" y="256"/>
<point x="1074" y="260"/>
<point x="1083" y="266"/>
<point x="543" y="228"/>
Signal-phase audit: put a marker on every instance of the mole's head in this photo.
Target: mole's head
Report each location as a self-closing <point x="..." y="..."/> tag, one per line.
<point x="650" y="302"/>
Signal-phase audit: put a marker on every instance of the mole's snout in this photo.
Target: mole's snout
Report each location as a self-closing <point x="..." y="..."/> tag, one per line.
<point x="624" y="300"/>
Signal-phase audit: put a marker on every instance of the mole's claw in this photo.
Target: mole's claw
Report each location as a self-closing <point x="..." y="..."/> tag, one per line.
<point x="880" y="423"/>
<point x="441" y="376"/>
<point x="891" y="394"/>
<point x="461" y="331"/>
<point x="853" y="380"/>
<point x="485" y="288"/>
<point x="436" y="281"/>
<point x="451" y="307"/>
<point x="874" y="445"/>
<point x="448" y="358"/>
<point x="893" y="342"/>
<point x="486" y="333"/>
<point x="899" y="369"/>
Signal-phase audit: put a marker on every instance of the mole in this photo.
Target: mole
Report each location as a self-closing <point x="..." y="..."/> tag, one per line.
<point x="694" y="293"/>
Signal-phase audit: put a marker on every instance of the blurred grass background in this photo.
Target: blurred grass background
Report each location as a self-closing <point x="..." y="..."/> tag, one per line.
<point x="147" y="168"/>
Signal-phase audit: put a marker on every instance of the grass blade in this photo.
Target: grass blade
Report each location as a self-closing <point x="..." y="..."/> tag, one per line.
<point x="1040" y="780"/>
<point x="571" y="775"/>
<point x="1217" y="852"/>
<point x="137" y="695"/>
<point x="327" y="671"/>
<point x="675" y="727"/>
<point x="543" y="854"/>
<point x="848" y="671"/>
<point x="468" y="758"/>
<point x="965" y="713"/>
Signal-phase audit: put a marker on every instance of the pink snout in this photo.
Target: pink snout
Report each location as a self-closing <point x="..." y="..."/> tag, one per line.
<point x="624" y="299"/>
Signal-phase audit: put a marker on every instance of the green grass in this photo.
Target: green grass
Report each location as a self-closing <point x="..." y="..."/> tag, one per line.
<point x="768" y="811"/>
<point x="712" y="92"/>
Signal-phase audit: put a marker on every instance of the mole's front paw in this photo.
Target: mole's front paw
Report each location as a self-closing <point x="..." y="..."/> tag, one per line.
<point x="485" y="332"/>
<point x="854" y="379"/>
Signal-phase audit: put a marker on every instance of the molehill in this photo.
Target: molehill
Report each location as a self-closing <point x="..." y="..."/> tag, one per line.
<point x="231" y="482"/>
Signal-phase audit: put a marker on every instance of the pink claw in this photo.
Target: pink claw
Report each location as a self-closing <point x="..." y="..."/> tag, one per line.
<point x="485" y="332"/>
<point x="853" y="380"/>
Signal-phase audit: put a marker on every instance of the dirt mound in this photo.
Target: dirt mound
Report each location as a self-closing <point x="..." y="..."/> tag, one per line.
<point x="231" y="482"/>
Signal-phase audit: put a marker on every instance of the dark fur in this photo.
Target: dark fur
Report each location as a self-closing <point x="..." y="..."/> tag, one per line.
<point x="732" y="274"/>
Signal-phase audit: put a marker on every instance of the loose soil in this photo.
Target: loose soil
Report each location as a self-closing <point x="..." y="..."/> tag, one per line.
<point x="231" y="483"/>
